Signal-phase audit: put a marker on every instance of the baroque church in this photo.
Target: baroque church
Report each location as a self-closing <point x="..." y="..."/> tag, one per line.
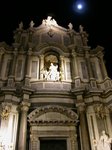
<point x="55" y="93"/>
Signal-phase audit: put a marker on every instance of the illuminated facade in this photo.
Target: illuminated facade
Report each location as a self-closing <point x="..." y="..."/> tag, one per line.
<point x="55" y="92"/>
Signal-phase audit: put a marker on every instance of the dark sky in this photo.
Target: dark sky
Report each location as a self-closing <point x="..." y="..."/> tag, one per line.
<point x="96" y="19"/>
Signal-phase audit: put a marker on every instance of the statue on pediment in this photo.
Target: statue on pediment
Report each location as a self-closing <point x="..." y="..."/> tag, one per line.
<point x="21" y="25"/>
<point x="49" y="21"/>
<point x="32" y="24"/>
<point x="70" y="25"/>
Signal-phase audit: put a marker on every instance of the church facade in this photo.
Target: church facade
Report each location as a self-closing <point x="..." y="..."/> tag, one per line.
<point x="55" y="92"/>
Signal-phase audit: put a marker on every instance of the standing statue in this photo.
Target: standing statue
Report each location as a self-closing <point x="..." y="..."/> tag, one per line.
<point x="104" y="142"/>
<point x="32" y="24"/>
<point x="81" y="28"/>
<point x="70" y="25"/>
<point x="21" y="25"/>
<point x="53" y="72"/>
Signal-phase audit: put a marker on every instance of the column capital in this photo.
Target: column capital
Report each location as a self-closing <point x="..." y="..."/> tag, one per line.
<point x="25" y="106"/>
<point x="41" y="56"/>
<point x="74" y="54"/>
<point x="61" y="57"/>
<point x="15" y="51"/>
<point x="29" y="53"/>
<point x="80" y="106"/>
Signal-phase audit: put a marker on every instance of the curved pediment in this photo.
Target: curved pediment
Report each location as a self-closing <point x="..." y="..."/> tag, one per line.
<point x="52" y="115"/>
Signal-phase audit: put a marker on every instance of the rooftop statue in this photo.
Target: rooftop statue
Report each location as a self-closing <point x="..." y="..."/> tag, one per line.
<point x="81" y="28"/>
<point x="32" y="24"/>
<point x="49" y="21"/>
<point x="70" y="25"/>
<point x="21" y="25"/>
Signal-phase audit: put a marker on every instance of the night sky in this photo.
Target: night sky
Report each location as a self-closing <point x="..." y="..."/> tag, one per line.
<point x="96" y="18"/>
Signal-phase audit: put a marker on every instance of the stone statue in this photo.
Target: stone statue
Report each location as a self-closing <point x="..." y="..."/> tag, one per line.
<point x="81" y="28"/>
<point x="49" y="21"/>
<point x="52" y="74"/>
<point x="32" y="24"/>
<point x="104" y="142"/>
<point x="70" y="25"/>
<point x="21" y="25"/>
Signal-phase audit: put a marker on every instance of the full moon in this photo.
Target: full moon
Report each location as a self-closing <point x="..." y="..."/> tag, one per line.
<point x="79" y="6"/>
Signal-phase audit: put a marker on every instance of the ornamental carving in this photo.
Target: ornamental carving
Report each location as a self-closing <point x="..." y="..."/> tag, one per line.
<point x="100" y="110"/>
<point x="6" y="108"/>
<point x="33" y="138"/>
<point x="53" y="114"/>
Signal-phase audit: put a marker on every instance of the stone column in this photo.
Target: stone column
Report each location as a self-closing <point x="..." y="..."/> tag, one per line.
<point x="62" y="67"/>
<point x="35" y="143"/>
<point x="83" y="127"/>
<point x="28" y="61"/>
<point x="41" y="66"/>
<point x="23" y="126"/>
<point x="13" y="65"/>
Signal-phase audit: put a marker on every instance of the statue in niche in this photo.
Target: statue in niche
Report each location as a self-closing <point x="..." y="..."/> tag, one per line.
<point x="51" y="68"/>
<point x="52" y="73"/>
<point x="104" y="142"/>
